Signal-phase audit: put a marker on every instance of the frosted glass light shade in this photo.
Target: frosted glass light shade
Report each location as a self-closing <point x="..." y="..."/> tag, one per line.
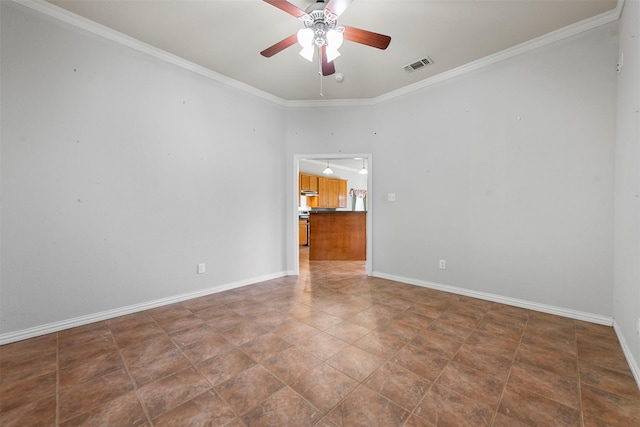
<point x="334" y="39"/>
<point x="332" y="54"/>
<point x="305" y="37"/>
<point x="307" y="53"/>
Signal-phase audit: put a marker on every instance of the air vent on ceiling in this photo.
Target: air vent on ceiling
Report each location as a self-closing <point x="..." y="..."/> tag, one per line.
<point x="418" y="64"/>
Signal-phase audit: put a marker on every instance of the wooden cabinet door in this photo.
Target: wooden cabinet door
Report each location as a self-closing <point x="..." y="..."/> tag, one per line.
<point x="313" y="182"/>
<point x="308" y="182"/>
<point x="342" y="194"/>
<point x="304" y="182"/>
<point x="334" y="192"/>
<point x="324" y="192"/>
<point x="302" y="225"/>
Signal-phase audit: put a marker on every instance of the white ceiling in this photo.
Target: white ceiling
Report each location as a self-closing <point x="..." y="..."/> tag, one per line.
<point x="226" y="36"/>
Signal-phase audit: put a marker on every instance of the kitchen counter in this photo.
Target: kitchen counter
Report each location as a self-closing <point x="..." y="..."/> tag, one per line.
<point x="338" y="235"/>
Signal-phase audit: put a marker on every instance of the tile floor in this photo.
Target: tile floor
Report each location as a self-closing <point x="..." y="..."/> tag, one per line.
<point x="331" y="347"/>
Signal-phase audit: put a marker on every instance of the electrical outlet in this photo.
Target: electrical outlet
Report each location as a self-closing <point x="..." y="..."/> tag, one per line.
<point x="443" y="264"/>
<point x="200" y="268"/>
<point x="391" y="197"/>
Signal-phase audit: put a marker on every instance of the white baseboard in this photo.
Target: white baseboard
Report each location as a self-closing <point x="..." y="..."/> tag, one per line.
<point x="109" y="314"/>
<point x="633" y="365"/>
<point x="560" y="311"/>
<point x="564" y="312"/>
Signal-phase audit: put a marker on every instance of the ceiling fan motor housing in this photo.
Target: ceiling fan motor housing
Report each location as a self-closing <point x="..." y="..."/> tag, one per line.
<point x="318" y="21"/>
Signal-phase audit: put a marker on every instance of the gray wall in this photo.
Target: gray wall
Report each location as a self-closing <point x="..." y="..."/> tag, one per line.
<point x="120" y="173"/>
<point x="626" y="288"/>
<point x="505" y="172"/>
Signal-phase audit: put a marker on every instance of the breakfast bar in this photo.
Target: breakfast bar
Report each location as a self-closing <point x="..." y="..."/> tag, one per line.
<point x="338" y="235"/>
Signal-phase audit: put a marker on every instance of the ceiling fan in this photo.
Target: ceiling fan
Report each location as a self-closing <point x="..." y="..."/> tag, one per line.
<point x="321" y="31"/>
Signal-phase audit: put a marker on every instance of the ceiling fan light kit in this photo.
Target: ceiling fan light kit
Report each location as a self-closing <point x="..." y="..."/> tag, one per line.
<point x="322" y="32"/>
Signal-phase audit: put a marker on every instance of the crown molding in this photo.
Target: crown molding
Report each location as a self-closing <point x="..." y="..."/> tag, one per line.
<point x="544" y="40"/>
<point x="70" y="18"/>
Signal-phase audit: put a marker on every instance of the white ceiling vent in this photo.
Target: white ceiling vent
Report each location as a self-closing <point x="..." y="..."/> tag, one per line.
<point x="418" y="64"/>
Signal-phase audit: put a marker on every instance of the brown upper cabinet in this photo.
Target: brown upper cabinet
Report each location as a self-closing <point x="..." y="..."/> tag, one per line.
<point x="324" y="190"/>
<point x="308" y="182"/>
<point x="342" y="194"/>
<point x="332" y="192"/>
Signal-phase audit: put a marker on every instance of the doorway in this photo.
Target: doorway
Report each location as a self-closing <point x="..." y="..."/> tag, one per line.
<point x="343" y="164"/>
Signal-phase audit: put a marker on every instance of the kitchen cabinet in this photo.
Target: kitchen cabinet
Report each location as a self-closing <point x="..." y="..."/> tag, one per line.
<point x="302" y="228"/>
<point x="308" y="182"/>
<point x="332" y="192"/>
<point x="342" y="194"/>
<point x="324" y="188"/>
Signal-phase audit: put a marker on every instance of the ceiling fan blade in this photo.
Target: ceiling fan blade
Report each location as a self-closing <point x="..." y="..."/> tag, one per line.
<point x="280" y="46"/>
<point x="337" y="7"/>
<point x="285" y="6"/>
<point x="365" y="37"/>
<point x="328" y="68"/>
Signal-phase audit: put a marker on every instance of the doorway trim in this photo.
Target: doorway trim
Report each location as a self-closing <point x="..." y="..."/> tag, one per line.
<point x="294" y="247"/>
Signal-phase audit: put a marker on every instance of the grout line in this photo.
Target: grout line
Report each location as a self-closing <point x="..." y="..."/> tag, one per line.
<point x="579" y="382"/>
<point x="433" y="383"/>
<point x="192" y="366"/>
<point x="331" y="292"/>
<point x="57" y="417"/>
<point x="506" y="381"/>
<point x="195" y="368"/>
<point x="133" y="382"/>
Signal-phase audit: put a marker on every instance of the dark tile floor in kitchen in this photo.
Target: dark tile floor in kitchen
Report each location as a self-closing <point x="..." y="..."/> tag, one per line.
<point x="332" y="347"/>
